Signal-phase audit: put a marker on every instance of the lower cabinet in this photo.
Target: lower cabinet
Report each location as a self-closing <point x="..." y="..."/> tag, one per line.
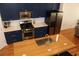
<point x="41" y="31"/>
<point x="13" y="36"/>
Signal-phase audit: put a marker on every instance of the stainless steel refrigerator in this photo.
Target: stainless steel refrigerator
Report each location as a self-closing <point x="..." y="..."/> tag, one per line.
<point x="54" y="20"/>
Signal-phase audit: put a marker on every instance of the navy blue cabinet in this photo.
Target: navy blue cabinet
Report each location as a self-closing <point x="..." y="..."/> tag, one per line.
<point x="11" y="10"/>
<point x="41" y="31"/>
<point x="13" y="36"/>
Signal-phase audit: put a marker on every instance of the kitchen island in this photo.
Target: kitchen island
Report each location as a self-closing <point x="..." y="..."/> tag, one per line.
<point x="31" y="48"/>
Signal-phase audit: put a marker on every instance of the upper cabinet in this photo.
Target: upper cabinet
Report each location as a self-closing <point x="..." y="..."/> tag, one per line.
<point x="11" y="11"/>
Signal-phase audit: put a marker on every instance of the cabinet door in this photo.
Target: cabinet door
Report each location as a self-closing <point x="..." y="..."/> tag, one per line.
<point x="14" y="36"/>
<point x="41" y="31"/>
<point x="2" y="37"/>
<point x="9" y="38"/>
<point x="17" y="36"/>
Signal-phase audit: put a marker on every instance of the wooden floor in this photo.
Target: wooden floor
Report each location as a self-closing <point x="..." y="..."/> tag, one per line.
<point x="7" y="51"/>
<point x="69" y="33"/>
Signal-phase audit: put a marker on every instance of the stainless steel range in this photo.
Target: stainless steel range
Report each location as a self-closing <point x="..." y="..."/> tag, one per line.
<point x="27" y="29"/>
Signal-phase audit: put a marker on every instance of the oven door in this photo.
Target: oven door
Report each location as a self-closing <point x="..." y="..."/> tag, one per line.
<point x="27" y="33"/>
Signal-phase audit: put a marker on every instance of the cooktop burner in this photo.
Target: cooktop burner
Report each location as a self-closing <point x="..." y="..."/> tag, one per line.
<point x="26" y="25"/>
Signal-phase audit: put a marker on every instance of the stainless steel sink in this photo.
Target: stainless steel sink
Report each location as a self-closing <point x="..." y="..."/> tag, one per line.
<point x="43" y="41"/>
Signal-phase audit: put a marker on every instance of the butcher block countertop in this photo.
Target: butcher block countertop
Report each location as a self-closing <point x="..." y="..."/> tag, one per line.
<point x="30" y="48"/>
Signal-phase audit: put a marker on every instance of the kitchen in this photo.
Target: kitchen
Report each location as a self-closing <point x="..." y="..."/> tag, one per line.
<point x="37" y="16"/>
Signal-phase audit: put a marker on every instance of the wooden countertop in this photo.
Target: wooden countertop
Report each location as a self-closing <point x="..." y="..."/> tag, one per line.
<point x="30" y="48"/>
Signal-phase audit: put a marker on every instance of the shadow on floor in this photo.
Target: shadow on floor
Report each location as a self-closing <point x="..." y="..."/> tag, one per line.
<point x="63" y="54"/>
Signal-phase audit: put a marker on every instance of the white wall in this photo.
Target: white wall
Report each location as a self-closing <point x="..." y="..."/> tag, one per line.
<point x="2" y="37"/>
<point x="70" y="15"/>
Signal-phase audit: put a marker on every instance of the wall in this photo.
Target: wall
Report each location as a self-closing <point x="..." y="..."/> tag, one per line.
<point x="2" y="37"/>
<point x="70" y="15"/>
<point x="10" y="11"/>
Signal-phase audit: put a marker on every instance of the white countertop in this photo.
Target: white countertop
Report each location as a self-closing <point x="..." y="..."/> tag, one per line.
<point x="40" y="25"/>
<point x="9" y="29"/>
<point x="15" y="25"/>
<point x="39" y="22"/>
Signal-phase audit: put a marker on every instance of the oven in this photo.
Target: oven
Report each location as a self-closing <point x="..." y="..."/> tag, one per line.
<point x="27" y="29"/>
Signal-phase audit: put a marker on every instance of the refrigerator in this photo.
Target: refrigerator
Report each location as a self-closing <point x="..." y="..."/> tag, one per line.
<point x="54" y="21"/>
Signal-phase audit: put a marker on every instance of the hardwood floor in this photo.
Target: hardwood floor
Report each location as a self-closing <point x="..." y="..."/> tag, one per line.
<point x="69" y="33"/>
<point x="7" y="51"/>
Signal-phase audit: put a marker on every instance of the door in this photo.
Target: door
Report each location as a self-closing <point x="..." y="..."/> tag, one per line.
<point x="58" y="22"/>
<point x="2" y="37"/>
<point x="52" y="23"/>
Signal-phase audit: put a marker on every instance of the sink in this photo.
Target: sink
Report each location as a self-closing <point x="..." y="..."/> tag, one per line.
<point x="43" y="41"/>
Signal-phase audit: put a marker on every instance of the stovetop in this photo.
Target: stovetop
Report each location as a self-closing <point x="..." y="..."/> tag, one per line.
<point x="26" y="25"/>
